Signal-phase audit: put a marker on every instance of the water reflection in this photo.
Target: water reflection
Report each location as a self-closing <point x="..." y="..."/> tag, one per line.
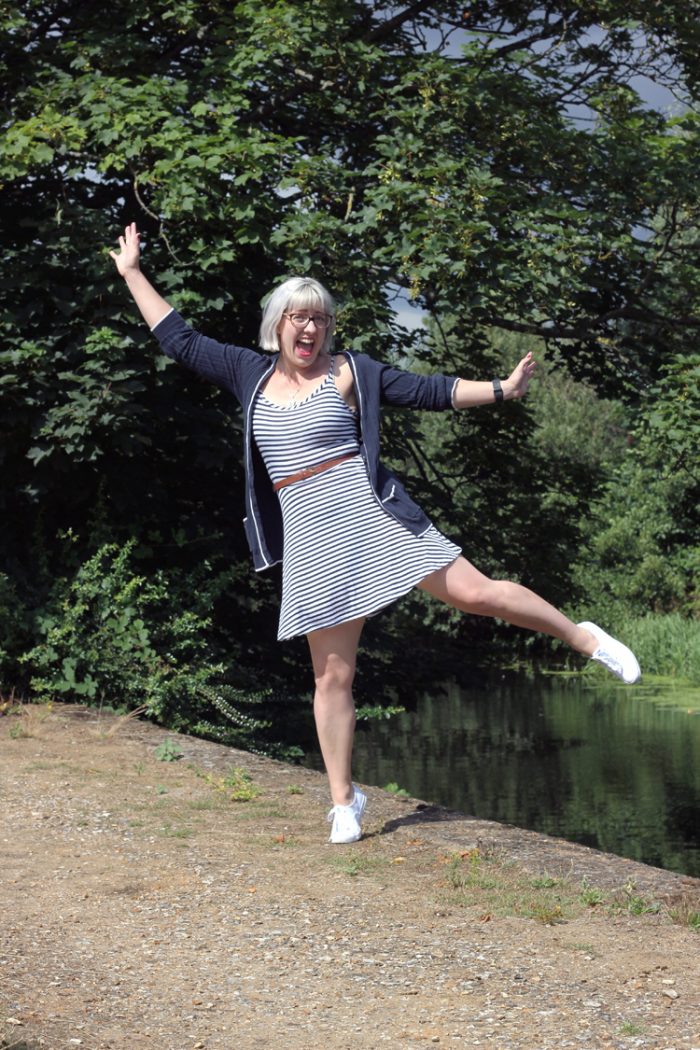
<point x="610" y="767"/>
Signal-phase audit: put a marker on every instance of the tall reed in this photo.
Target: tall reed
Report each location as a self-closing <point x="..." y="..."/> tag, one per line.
<point x="665" y="644"/>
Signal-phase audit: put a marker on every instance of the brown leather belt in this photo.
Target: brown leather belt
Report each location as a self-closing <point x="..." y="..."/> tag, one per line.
<point x="309" y="472"/>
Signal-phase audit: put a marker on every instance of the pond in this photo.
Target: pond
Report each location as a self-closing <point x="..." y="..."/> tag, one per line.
<point x="613" y="767"/>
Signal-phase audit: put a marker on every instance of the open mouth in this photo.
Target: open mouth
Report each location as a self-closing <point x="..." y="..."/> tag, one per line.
<point x="304" y="347"/>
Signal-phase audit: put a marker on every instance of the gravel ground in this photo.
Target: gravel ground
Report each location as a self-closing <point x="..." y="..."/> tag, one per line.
<point x="143" y="908"/>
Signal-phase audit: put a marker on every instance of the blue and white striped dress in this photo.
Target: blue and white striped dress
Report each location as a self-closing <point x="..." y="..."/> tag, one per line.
<point x="344" y="555"/>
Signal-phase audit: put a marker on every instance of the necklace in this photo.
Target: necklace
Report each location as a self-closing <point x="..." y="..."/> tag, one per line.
<point x="294" y="397"/>
<point x="297" y="395"/>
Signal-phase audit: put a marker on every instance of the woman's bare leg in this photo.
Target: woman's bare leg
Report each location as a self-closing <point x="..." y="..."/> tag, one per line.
<point x="462" y="585"/>
<point x="333" y="654"/>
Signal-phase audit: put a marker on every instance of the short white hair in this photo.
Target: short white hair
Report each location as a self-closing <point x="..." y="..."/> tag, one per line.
<point x="298" y="293"/>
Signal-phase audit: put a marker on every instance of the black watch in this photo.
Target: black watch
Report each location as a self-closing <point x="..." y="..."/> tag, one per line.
<point x="497" y="389"/>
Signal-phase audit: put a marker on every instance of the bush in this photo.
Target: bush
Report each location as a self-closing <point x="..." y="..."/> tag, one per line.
<point x="14" y="630"/>
<point x="642" y="548"/>
<point x="116" y="638"/>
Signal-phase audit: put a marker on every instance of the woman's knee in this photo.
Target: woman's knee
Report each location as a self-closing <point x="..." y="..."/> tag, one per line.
<point x="487" y="597"/>
<point x="462" y="585"/>
<point x="336" y="676"/>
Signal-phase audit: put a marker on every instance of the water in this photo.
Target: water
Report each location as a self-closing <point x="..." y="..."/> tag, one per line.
<point x="612" y="767"/>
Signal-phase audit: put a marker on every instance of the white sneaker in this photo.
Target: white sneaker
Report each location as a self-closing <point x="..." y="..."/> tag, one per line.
<point x="614" y="655"/>
<point x="346" y="819"/>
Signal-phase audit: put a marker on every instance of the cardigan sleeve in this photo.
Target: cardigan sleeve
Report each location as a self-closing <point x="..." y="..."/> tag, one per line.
<point x="222" y="363"/>
<point x="433" y="393"/>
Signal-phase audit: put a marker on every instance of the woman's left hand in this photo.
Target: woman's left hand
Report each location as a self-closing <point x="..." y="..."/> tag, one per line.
<point x="518" y="381"/>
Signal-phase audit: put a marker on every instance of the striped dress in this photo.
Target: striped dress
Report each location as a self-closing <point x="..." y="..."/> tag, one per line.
<point x="344" y="555"/>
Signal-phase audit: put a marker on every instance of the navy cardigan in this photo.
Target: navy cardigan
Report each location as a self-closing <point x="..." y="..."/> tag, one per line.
<point x="242" y="372"/>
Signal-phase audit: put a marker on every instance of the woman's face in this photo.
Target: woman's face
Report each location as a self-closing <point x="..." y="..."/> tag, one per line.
<point x="302" y="335"/>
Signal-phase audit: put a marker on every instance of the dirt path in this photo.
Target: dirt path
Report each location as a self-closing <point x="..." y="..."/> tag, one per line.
<point x="143" y="908"/>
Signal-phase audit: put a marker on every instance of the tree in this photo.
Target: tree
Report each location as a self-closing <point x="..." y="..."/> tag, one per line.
<point x="427" y="147"/>
<point x="643" y="530"/>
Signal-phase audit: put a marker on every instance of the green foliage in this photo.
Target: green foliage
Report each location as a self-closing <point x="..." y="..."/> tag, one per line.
<point x="169" y="751"/>
<point x="591" y="896"/>
<point x="111" y="636"/>
<point x="484" y="880"/>
<point x="236" y="785"/>
<point x="666" y="645"/>
<point x="102" y="640"/>
<point x="459" y="159"/>
<point x="14" y="630"/>
<point x="371" y="712"/>
<point x="643" y="547"/>
<point x="631" y="1028"/>
<point x="629" y="900"/>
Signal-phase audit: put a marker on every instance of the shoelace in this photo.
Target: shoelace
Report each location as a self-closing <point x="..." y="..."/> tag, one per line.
<point x="608" y="659"/>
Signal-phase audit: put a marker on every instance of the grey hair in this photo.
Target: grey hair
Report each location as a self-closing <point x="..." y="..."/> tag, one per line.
<point x="302" y="293"/>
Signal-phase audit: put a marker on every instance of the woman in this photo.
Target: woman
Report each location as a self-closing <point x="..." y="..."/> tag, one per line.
<point x="353" y="539"/>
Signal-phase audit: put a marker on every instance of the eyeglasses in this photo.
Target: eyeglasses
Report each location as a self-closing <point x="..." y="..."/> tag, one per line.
<point x="300" y="321"/>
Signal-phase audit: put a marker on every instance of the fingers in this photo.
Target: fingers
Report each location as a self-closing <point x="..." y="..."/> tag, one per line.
<point x="527" y="365"/>
<point x="131" y="235"/>
<point x="522" y="374"/>
<point x="129" y="248"/>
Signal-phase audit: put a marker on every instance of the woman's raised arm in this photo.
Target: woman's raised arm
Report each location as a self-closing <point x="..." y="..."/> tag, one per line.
<point x="128" y="262"/>
<point x="468" y="394"/>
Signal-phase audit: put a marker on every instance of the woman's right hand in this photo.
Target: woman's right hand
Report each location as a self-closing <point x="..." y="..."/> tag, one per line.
<point x="129" y="254"/>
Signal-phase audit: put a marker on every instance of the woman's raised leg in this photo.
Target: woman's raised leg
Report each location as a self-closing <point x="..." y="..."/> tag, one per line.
<point x="462" y="585"/>
<point x="333" y="654"/>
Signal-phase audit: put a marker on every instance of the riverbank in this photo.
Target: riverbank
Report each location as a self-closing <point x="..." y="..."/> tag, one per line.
<point x="164" y="902"/>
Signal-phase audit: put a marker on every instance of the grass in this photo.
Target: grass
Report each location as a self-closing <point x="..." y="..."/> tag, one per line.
<point x="169" y="750"/>
<point x="264" y="811"/>
<point x="169" y="832"/>
<point x="630" y="1028"/>
<point x="236" y="785"/>
<point x="28" y="718"/>
<point x="498" y="887"/>
<point x="633" y="903"/>
<point x="685" y="910"/>
<point x="583" y="946"/>
<point x="283" y="841"/>
<point x="354" y="862"/>
<point x="200" y="804"/>
<point x="665" y="644"/>
<point x="7" y="703"/>
<point x="122" y="720"/>
<point x="590" y="895"/>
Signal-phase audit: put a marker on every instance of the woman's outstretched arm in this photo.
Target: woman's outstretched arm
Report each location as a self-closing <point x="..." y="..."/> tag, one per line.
<point x="128" y="262"/>
<point x="468" y="394"/>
